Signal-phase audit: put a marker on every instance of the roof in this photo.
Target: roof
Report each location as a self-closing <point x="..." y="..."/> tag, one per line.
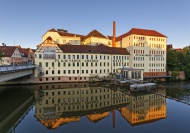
<point x="7" y="50"/>
<point x="101" y="49"/>
<point x="24" y="51"/>
<point x="140" y="32"/>
<point x="95" y="33"/>
<point x="61" y="33"/>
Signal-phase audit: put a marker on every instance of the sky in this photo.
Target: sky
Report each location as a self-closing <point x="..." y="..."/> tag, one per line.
<point x="23" y="22"/>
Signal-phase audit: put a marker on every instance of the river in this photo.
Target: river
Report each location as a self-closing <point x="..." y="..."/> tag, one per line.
<point x="94" y="108"/>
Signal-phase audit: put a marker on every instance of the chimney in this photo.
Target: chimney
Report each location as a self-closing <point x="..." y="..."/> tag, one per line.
<point x="114" y="35"/>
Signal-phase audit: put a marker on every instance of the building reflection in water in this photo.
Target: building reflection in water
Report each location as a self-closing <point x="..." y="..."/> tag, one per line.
<point x="59" y="104"/>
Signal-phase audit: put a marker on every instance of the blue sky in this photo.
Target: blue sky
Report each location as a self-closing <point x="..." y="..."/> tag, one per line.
<point x="25" y="21"/>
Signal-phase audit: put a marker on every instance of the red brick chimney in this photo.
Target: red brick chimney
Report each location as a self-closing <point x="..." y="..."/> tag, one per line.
<point x="114" y="35"/>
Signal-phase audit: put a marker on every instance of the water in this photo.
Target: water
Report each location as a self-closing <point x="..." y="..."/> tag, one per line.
<point x="93" y="108"/>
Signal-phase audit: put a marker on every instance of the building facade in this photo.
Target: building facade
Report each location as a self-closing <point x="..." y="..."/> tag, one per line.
<point x="147" y="50"/>
<point x="10" y="55"/>
<point x="74" y="63"/>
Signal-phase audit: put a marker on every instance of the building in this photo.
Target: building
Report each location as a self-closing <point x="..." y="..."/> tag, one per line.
<point x="138" y="49"/>
<point x="73" y="63"/>
<point x="27" y="55"/>
<point x="61" y="36"/>
<point x="147" y="50"/>
<point x="10" y="55"/>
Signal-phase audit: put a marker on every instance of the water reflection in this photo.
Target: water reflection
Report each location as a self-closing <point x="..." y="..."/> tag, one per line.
<point x="15" y="103"/>
<point x="59" y="104"/>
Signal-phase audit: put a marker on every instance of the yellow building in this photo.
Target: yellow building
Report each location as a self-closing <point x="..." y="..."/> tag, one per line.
<point x="61" y="36"/>
<point x="147" y="50"/>
<point x="68" y="63"/>
<point x="95" y="37"/>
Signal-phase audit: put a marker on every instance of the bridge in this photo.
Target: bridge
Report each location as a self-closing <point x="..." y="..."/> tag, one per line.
<point x="13" y="72"/>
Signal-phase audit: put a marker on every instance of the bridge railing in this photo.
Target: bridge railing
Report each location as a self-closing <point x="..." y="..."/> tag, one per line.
<point x="15" y="68"/>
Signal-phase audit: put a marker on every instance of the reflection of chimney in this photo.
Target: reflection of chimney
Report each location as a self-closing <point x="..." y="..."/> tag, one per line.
<point x="113" y="117"/>
<point x="114" y="35"/>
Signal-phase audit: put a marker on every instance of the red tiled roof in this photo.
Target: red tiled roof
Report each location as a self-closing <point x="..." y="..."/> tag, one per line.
<point x="99" y="49"/>
<point x="95" y="33"/>
<point x="24" y="51"/>
<point x="141" y="32"/>
<point x="7" y="50"/>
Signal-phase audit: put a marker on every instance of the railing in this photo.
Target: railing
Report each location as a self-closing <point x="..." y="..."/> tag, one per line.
<point x="15" y="68"/>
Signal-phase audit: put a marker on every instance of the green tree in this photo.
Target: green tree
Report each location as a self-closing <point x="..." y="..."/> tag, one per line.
<point x="172" y="61"/>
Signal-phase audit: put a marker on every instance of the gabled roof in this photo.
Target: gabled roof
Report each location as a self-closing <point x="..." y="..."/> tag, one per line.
<point x="99" y="49"/>
<point x="137" y="31"/>
<point x="7" y="50"/>
<point x="24" y="51"/>
<point x="95" y="33"/>
<point x="52" y="30"/>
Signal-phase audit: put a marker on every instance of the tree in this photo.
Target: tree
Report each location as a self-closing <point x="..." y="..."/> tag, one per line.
<point x="172" y="61"/>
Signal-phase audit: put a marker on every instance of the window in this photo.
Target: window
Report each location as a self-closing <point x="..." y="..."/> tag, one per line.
<point x="86" y="71"/>
<point x="46" y="71"/>
<point x="69" y="56"/>
<point x="69" y="64"/>
<point x="73" y="63"/>
<point x="77" y="64"/>
<point x="86" y="63"/>
<point x="82" y="63"/>
<point x="73" y="71"/>
<point x="58" y="71"/>
<point x="40" y="64"/>
<point x="59" y="78"/>
<point x="46" y="64"/>
<point x="69" y="71"/>
<point x="58" y="56"/>
<point x="82" y="56"/>
<point x="77" y="71"/>
<point x="64" y="41"/>
<point x="91" y="56"/>
<point x="77" y="56"/>
<point x="52" y="64"/>
<point x="52" y="71"/>
<point x="96" y="56"/>
<point x="104" y="57"/>
<point x="86" y="56"/>
<point x="64" y="71"/>
<point x="40" y="56"/>
<point x="58" y="64"/>
<point x="108" y="57"/>
<point x="100" y="57"/>
<point x="64" y="64"/>
<point x="82" y="71"/>
<point x="46" y="79"/>
<point x="53" y="78"/>
<point x="69" y="78"/>
<point x="64" y="56"/>
<point x="91" y="64"/>
<point x="73" y="57"/>
<point x="91" y="71"/>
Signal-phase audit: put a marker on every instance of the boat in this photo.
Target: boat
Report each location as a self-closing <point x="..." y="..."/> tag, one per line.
<point x="124" y="81"/>
<point x="141" y="87"/>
